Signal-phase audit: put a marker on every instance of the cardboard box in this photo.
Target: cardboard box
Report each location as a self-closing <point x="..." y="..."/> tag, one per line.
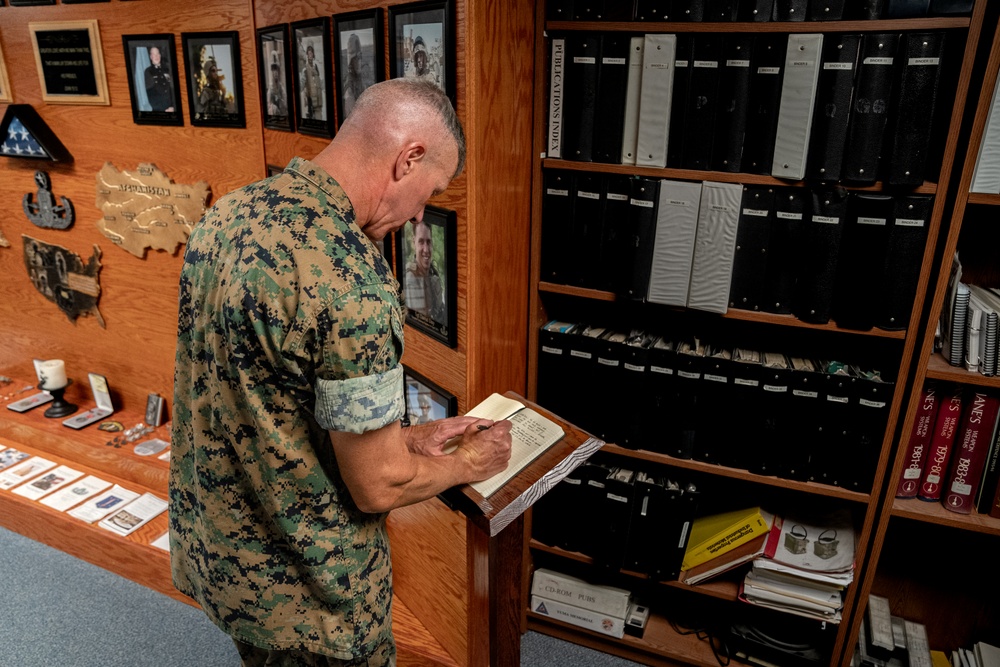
<point x="584" y="618"/>
<point x="575" y="592"/>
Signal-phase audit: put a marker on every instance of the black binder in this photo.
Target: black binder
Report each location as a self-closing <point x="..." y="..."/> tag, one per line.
<point x="906" y="9"/>
<point x="859" y="290"/>
<point x="829" y="456"/>
<point x="584" y="345"/>
<point x="806" y="403"/>
<point x="609" y="117"/>
<point x="721" y="10"/>
<point x="662" y="513"/>
<point x="950" y="8"/>
<point x="614" y="515"/>
<point x="702" y="102"/>
<point x="864" y="10"/>
<point x="767" y="71"/>
<point x="783" y="249"/>
<point x="688" y="10"/>
<point x="833" y="106"/>
<point x="913" y="114"/>
<point x="616" y="252"/>
<point x="825" y="10"/>
<point x="903" y="259"/>
<point x="869" y="111"/>
<point x="712" y="442"/>
<point x="653" y="10"/>
<point x="753" y="236"/>
<point x="679" y="99"/>
<point x="734" y="99"/>
<point x="585" y="234"/>
<point x="687" y="427"/>
<point x="789" y="10"/>
<point x="818" y="253"/>
<point x="559" y="10"/>
<point x="669" y="427"/>
<point x="557" y="219"/>
<point x="755" y="10"/>
<point x="873" y="395"/>
<point x="583" y="53"/>
<point x="602" y="10"/>
<point x="638" y="411"/>
<point x="554" y="366"/>
<point x="609" y="380"/>
<point x="782" y="442"/>
<point x="643" y="204"/>
<point x="747" y="406"/>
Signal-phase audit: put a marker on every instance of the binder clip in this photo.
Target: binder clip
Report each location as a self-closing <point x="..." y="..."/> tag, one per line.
<point x="826" y="545"/>
<point x="796" y="540"/>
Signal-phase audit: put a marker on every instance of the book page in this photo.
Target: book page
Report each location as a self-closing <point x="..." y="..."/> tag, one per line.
<point x="531" y="435"/>
<point x="495" y="407"/>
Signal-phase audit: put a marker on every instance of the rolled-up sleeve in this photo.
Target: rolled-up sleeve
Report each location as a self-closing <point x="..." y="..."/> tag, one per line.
<point x="360" y="404"/>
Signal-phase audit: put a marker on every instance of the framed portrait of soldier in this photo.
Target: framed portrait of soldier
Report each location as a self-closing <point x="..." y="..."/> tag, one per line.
<point x="425" y="401"/>
<point x="421" y="45"/>
<point x="425" y="267"/>
<point x="314" y="113"/>
<point x="214" y="78"/>
<point x="277" y="107"/>
<point x="357" y="43"/>
<point x="151" y="65"/>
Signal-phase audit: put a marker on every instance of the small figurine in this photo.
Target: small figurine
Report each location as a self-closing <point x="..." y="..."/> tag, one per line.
<point x="45" y="213"/>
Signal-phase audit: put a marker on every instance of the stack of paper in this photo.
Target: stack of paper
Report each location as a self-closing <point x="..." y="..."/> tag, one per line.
<point x="806" y="564"/>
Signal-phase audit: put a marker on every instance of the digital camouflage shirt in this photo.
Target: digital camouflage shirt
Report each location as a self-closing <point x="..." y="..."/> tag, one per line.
<point x="289" y="326"/>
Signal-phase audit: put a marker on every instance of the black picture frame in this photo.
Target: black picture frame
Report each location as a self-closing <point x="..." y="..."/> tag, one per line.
<point x="274" y="170"/>
<point x="276" y="99"/>
<point x="155" y="90"/>
<point x="425" y="401"/>
<point x="429" y="23"/>
<point x="430" y="292"/>
<point x="357" y="41"/>
<point x="217" y="101"/>
<point x="314" y="113"/>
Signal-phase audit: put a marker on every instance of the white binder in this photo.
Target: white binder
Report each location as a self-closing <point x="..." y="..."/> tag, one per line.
<point x="986" y="177"/>
<point x="795" y="112"/>
<point x="714" y="247"/>
<point x="676" y="227"/>
<point x="630" y="132"/>
<point x="655" y="97"/>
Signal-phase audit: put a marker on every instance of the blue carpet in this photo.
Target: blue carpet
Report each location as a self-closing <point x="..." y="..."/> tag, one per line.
<point x="59" y="611"/>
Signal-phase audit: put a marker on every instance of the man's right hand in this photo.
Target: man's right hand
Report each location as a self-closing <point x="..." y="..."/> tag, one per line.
<point x="486" y="452"/>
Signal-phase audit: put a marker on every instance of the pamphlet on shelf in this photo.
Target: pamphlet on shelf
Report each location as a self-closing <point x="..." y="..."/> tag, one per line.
<point x="30" y="468"/>
<point x="9" y="457"/>
<point x="48" y="483"/>
<point x="162" y="542"/>
<point x="134" y="515"/>
<point x="101" y="506"/>
<point x="75" y="493"/>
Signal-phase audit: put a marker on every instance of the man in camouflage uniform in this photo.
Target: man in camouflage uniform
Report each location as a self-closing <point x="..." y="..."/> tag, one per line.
<point x="287" y="447"/>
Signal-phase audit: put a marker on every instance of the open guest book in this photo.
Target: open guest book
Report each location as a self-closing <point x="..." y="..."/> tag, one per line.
<point x="544" y="449"/>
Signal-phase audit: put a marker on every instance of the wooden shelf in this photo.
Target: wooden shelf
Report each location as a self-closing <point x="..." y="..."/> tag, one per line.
<point x="939" y="369"/>
<point x="717" y="588"/>
<point x="983" y="198"/>
<point x="894" y="25"/>
<point x="717" y="176"/>
<point x="935" y="512"/>
<point x="736" y="473"/>
<point x="732" y="314"/>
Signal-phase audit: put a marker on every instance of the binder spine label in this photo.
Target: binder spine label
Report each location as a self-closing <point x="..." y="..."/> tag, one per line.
<point x="712" y="64"/>
<point x="776" y="388"/>
<point x="838" y="399"/>
<point x="689" y="375"/>
<point x="755" y="212"/>
<point x="680" y="63"/>
<point x="551" y="350"/>
<point x="633" y="367"/>
<point x="585" y="60"/>
<point x="841" y="66"/>
<point x="557" y="193"/>
<point x="613" y="61"/>
<point x="746" y="383"/>
<point x="607" y="362"/>
<point x="677" y="202"/>
<point x="801" y="393"/>
<point x="924" y="61"/>
<point x="768" y="70"/>
<point x="581" y="355"/>
<point x="802" y="63"/>
<point x="907" y="222"/>
<point x="661" y="370"/>
<point x="784" y="215"/>
<point x="645" y="203"/>
<point x="825" y="219"/>
<point x="871" y="221"/>
<point x="871" y="404"/>
<point x="737" y="63"/>
<point x="614" y="196"/>
<point x="556" y="98"/>
<point x="877" y="61"/>
<point x="588" y="195"/>
<point x="716" y="378"/>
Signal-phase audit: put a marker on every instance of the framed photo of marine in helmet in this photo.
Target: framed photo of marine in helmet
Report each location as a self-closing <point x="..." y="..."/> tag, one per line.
<point x="276" y="98"/>
<point x="313" y="87"/>
<point x="426" y="254"/>
<point x="421" y="45"/>
<point x="357" y="43"/>
<point x="214" y="78"/>
<point x="155" y="91"/>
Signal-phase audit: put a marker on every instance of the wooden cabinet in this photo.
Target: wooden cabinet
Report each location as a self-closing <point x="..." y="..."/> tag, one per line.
<point x="935" y="566"/>
<point x="674" y="605"/>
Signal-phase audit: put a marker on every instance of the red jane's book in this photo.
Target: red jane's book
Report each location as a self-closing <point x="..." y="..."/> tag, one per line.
<point x="979" y="421"/>
<point x="945" y="426"/>
<point x="919" y="443"/>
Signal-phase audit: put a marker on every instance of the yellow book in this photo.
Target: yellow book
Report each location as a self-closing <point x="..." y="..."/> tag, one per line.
<point x="940" y="659"/>
<point x="716" y="534"/>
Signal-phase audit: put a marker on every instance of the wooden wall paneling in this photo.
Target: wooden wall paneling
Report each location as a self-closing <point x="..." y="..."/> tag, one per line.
<point x="139" y="296"/>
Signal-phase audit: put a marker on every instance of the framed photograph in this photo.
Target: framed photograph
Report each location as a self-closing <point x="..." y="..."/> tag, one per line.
<point x="425" y="267"/>
<point x="214" y="78"/>
<point x="77" y="80"/>
<point x="274" y="170"/>
<point x="421" y="45"/>
<point x="357" y="43"/>
<point x="275" y="78"/>
<point x="6" y="95"/>
<point x="151" y="63"/>
<point x="425" y="401"/>
<point x="313" y="87"/>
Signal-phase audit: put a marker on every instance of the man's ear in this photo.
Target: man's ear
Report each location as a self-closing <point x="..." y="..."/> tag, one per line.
<point x="408" y="158"/>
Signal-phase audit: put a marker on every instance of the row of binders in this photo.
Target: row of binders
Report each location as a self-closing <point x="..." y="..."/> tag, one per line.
<point x="846" y="107"/>
<point x="808" y="419"/>
<point x="644" y="519"/>
<point x="970" y="325"/>
<point x="750" y="10"/>
<point x="817" y="253"/>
